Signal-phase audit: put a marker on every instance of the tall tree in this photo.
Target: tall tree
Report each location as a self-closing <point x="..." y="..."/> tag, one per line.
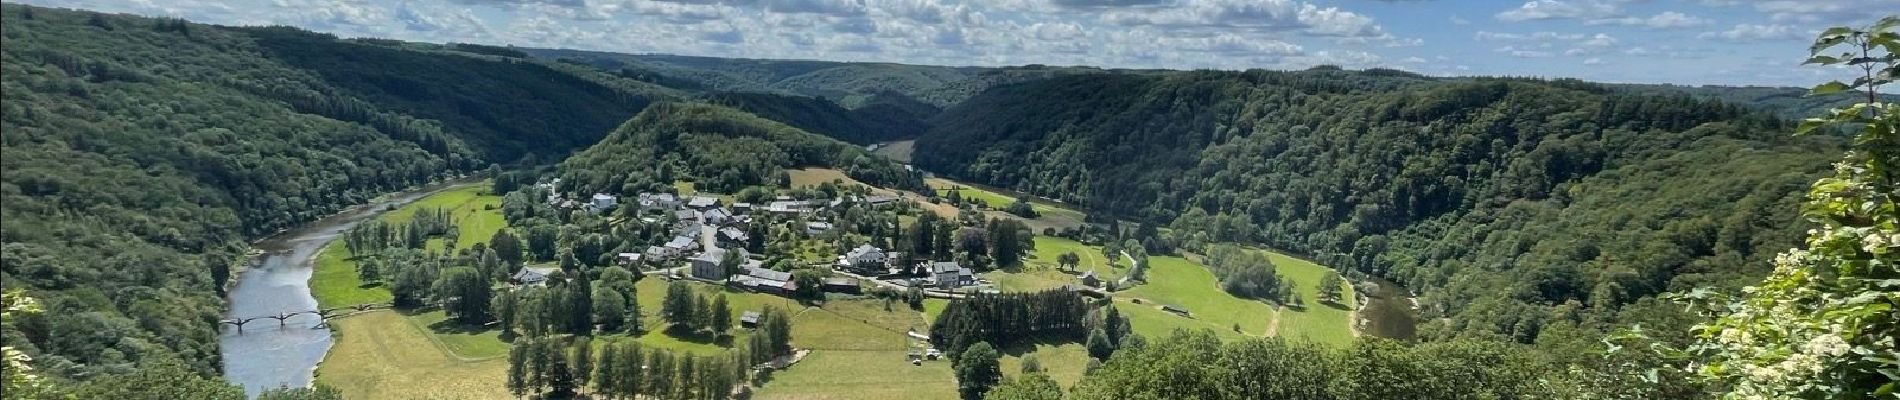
<point x="721" y="315"/>
<point x="1331" y="288"/>
<point x="977" y="370"/>
<point x="518" y="369"/>
<point x="1028" y="386"/>
<point x="506" y="306"/>
<point x="464" y="294"/>
<point x="580" y="305"/>
<point x="507" y="247"/>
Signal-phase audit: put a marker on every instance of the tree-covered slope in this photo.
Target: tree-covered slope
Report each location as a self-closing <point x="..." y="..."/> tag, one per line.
<point x="1787" y="102"/>
<point x="721" y="149"/>
<point x="501" y="105"/>
<point x="865" y="125"/>
<point x="851" y="84"/>
<point x="1569" y="198"/>
<point x="141" y="154"/>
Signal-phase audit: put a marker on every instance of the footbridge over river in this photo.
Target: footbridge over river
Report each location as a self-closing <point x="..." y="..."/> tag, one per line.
<point x="323" y="316"/>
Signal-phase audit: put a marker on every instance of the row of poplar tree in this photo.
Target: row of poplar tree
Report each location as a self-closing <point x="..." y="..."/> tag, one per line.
<point x="561" y="366"/>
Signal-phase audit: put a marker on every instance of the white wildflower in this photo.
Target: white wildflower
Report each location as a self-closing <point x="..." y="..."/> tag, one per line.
<point x="1828" y="345"/>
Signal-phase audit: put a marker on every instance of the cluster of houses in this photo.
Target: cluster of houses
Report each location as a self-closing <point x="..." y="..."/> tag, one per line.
<point x="707" y="232"/>
<point x="868" y="260"/>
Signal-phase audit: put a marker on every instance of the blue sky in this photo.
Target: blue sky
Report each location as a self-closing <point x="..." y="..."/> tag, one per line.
<point x="1732" y="42"/>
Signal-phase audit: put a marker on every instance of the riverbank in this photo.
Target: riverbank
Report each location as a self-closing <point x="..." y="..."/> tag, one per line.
<point x="268" y="352"/>
<point x="477" y="215"/>
<point x="253" y="255"/>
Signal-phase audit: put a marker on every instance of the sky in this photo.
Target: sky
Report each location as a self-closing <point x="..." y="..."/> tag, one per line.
<point x="1726" y="42"/>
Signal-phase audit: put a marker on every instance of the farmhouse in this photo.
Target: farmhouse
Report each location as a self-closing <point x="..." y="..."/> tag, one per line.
<point x="702" y="202"/>
<point x="842" y="285"/>
<point x="816" y="227"/>
<point x="877" y="200"/>
<point x="628" y="259"/>
<point x="787" y="207"/>
<point x="866" y="259"/>
<point x="706" y="264"/>
<point x="733" y="236"/>
<point x="749" y="319"/>
<point x="532" y="276"/>
<point x="764" y="280"/>
<point x="664" y="201"/>
<point x="1089" y="279"/>
<point x="949" y="275"/>
<point x="718" y="216"/>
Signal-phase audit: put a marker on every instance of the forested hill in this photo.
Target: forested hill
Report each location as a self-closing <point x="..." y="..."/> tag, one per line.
<point x="141" y="154"/>
<point x="872" y="123"/>
<point x="1787" y="102"/>
<point x="1514" y="206"/>
<point x="851" y="84"/>
<point x="721" y="149"/>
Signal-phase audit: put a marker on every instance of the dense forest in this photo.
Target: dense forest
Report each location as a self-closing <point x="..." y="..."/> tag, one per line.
<point x="157" y="148"/>
<point x="869" y="124"/>
<point x="1787" y="102"/>
<point x="852" y="85"/>
<point x="720" y="149"/>
<point x="1519" y="208"/>
<point x="1539" y="212"/>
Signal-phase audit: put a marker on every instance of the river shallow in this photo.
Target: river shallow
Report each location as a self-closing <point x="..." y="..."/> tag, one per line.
<point x="1389" y="311"/>
<point x="265" y="354"/>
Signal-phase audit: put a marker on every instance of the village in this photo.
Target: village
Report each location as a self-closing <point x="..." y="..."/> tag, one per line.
<point x="711" y="236"/>
<point x="863" y="279"/>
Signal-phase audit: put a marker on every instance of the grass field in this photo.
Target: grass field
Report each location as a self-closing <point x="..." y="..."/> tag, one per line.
<point x="1179" y="282"/>
<point x="477" y="215"/>
<point x="1040" y="271"/>
<point x="333" y="282"/>
<point x="898" y="150"/>
<point x="859" y="352"/>
<point x="651" y="291"/>
<point x="1065" y="362"/>
<point x="459" y="340"/>
<point x="1049" y="215"/>
<point x="1319" y="322"/>
<point x="814" y="176"/>
<point x="861" y="374"/>
<point x="381" y="355"/>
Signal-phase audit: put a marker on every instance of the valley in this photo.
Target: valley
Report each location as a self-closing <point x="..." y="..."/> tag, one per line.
<point x="271" y="210"/>
<point x="856" y="342"/>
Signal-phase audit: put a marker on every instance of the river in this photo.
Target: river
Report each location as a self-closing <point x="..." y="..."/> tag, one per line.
<point x="1388" y="312"/>
<point x="265" y="354"/>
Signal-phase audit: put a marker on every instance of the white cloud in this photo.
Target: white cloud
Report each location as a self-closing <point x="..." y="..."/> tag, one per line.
<point x="1257" y="15"/>
<point x="1663" y="20"/>
<point x="1826" y="12"/>
<point x="1753" y="32"/>
<point x="1594" y="61"/>
<point x="1534" y="36"/>
<point x="1515" y="51"/>
<point x="1599" y="40"/>
<point x="1558" y="9"/>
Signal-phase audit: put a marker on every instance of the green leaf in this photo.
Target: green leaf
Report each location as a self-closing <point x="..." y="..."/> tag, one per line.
<point x="1808" y="125"/>
<point x="1828" y="88"/>
<point x="1823" y="60"/>
<point x="1885" y="40"/>
<point x="1826" y="41"/>
<point x="1884" y="24"/>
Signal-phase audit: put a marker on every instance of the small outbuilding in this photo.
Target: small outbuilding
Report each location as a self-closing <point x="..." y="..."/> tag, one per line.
<point x="842" y="285"/>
